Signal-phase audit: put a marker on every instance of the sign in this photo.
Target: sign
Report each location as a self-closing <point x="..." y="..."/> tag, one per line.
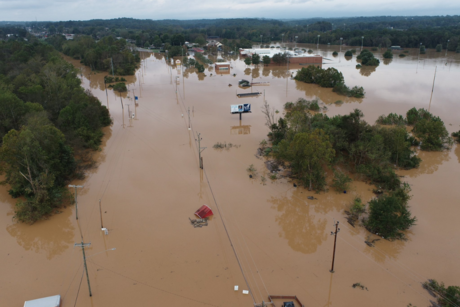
<point x="135" y="97"/>
<point x="240" y="108"/>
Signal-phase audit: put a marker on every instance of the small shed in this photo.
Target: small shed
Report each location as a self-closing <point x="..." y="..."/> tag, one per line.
<point x="50" y="301"/>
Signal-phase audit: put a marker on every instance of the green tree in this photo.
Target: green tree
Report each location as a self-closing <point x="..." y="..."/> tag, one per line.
<point x="432" y="133"/>
<point x="348" y="53"/>
<point x="266" y="59"/>
<point x="422" y="49"/>
<point x="248" y="61"/>
<point x="200" y="40"/>
<point x="388" y="54"/>
<point x="308" y="153"/>
<point x="255" y="59"/>
<point x="36" y="163"/>
<point x="438" y="48"/>
<point x="389" y="216"/>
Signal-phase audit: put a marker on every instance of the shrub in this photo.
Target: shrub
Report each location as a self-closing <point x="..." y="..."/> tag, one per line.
<point x="402" y="55"/>
<point x="367" y="58"/>
<point x="335" y="53"/>
<point x="120" y="87"/>
<point x="388" y="54"/>
<point x="310" y="51"/>
<point x="341" y="181"/>
<point x="389" y="216"/>
<point x="391" y="119"/>
<point x="358" y="66"/>
<point x="348" y="53"/>
<point x="438" y="48"/>
<point x="342" y="89"/>
<point x="422" y="49"/>
<point x="457" y="135"/>
<point x="447" y="297"/>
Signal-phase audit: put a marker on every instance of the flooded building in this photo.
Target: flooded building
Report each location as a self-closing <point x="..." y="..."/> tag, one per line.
<point x="295" y="57"/>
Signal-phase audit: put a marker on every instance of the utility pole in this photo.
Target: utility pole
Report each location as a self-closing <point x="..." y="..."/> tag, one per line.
<point x="82" y="245"/>
<point x="335" y="242"/>
<point x="100" y="211"/>
<point x="76" y="203"/>
<point x="200" y="150"/>
<point x="432" y="88"/>
<point x="122" y="111"/>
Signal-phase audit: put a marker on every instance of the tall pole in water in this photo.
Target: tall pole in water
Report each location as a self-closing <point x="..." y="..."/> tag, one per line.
<point x="335" y="242"/>
<point x="432" y="88"/>
<point x="200" y="150"/>
<point x="106" y="94"/>
<point x="82" y="245"/>
<point x="76" y="202"/>
<point x="100" y="212"/>
<point x="189" y="123"/>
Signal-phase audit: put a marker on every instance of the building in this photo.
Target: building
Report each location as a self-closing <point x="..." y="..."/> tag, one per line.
<point x="69" y="36"/>
<point x="222" y="67"/>
<point x="295" y="57"/>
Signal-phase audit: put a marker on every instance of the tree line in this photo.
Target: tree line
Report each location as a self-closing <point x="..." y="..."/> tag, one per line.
<point x="48" y="127"/>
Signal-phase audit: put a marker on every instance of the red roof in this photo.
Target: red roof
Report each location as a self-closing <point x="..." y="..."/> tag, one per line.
<point x="204" y="212"/>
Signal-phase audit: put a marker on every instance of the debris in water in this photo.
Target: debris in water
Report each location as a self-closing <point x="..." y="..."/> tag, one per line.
<point x="370" y="242"/>
<point x="204" y="212"/>
<point x="198" y="223"/>
<point x="229" y="84"/>
<point x="235" y="288"/>
<point x="245" y="292"/>
<point x="358" y="285"/>
<point x="295" y="185"/>
<point x="250" y="176"/>
<point x="311" y="197"/>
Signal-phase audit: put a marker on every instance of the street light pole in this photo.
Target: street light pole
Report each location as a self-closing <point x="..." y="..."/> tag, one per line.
<point x="82" y="245"/>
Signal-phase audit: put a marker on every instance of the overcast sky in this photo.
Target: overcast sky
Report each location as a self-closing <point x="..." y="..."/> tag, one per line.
<point x="51" y="10"/>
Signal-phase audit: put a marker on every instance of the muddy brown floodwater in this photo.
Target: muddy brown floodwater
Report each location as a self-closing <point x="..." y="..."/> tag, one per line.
<point x="269" y="238"/>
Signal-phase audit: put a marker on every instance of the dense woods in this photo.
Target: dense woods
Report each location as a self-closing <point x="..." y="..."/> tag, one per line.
<point x="48" y="123"/>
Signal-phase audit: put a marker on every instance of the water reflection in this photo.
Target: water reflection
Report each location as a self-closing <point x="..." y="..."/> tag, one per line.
<point x="348" y="58"/>
<point x="325" y="95"/>
<point x="241" y="129"/>
<point x="52" y="236"/>
<point x="247" y="71"/>
<point x="366" y="71"/>
<point x="431" y="160"/>
<point x="303" y="232"/>
<point x="457" y="152"/>
<point x="387" y="61"/>
<point x="255" y="73"/>
<point x="385" y="249"/>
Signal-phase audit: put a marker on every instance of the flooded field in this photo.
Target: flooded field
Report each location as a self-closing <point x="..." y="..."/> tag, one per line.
<point x="266" y="237"/>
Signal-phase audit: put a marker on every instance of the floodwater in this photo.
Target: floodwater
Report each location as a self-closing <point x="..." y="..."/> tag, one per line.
<point x="266" y="236"/>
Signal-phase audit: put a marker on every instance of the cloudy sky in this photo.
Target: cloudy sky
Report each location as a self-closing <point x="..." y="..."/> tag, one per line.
<point x="55" y="10"/>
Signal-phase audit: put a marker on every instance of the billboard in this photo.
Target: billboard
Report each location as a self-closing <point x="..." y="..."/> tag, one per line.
<point x="240" y="108"/>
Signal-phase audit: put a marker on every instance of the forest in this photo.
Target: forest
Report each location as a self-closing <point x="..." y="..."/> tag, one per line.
<point x="48" y="127"/>
<point x="379" y="31"/>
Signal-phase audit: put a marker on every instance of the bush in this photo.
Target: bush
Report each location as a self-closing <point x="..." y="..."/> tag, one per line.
<point x="402" y="55"/>
<point x="422" y="49"/>
<point x="438" y="48"/>
<point x="348" y="53"/>
<point x="456" y="135"/>
<point x="341" y="182"/>
<point x="388" y="54"/>
<point x="391" y="119"/>
<point x="120" y="87"/>
<point x="342" y="89"/>
<point x="323" y="77"/>
<point x="335" y="53"/>
<point x="310" y="51"/>
<point x="358" y="66"/>
<point x="367" y="58"/>
<point x="389" y="215"/>
<point x="447" y="297"/>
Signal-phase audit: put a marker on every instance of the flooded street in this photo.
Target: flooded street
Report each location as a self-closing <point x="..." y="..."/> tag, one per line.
<point x="266" y="237"/>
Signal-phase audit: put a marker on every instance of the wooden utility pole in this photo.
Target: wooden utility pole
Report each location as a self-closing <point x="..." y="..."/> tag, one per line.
<point x="335" y="242"/>
<point x="82" y="245"/>
<point x="200" y="150"/>
<point x="100" y="211"/>
<point x="432" y="88"/>
<point x="76" y="202"/>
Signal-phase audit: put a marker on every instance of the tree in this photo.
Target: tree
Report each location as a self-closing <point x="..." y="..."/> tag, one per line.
<point x="388" y="54"/>
<point x="348" y="53"/>
<point x="308" y="153"/>
<point x="248" y="61"/>
<point x="432" y="133"/>
<point x="37" y="163"/>
<point x="255" y="59"/>
<point x="438" y="48"/>
<point x="266" y="59"/>
<point x="388" y="217"/>
<point x="422" y="49"/>
<point x="200" y="40"/>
